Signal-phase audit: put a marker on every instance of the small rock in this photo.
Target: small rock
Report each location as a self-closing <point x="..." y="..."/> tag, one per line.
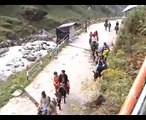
<point x="17" y="93"/>
<point x="31" y="58"/>
<point x="83" y="108"/>
<point x="3" y="50"/>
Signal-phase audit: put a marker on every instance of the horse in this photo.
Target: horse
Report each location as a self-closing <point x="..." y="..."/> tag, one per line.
<point x="94" y="47"/>
<point x="53" y="107"/>
<point x="116" y="28"/>
<point x="63" y="91"/>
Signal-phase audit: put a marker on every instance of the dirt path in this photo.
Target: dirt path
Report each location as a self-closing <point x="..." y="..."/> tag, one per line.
<point x="78" y="65"/>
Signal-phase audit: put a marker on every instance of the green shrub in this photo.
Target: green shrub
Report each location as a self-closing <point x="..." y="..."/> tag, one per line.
<point x="6" y="25"/>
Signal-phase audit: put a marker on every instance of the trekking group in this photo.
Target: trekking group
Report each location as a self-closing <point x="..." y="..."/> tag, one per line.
<point x="61" y="82"/>
<point x="108" y="25"/>
<point x="62" y="87"/>
<point x="100" y="55"/>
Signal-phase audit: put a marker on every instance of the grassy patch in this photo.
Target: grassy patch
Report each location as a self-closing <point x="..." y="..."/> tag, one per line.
<point x="115" y="85"/>
<point x="116" y="82"/>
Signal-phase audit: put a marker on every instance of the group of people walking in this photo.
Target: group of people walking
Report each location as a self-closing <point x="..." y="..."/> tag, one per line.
<point x="62" y="87"/>
<point x="108" y="25"/>
<point x="101" y="60"/>
<point x="61" y="82"/>
<point x="99" y="56"/>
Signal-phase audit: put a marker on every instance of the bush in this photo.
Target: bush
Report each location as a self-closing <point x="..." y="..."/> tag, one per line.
<point x="116" y="86"/>
<point x="11" y="20"/>
<point x="6" y="25"/>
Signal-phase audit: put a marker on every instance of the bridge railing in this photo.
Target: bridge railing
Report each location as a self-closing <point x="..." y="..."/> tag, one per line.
<point x="135" y="91"/>
<point x="140" y="106"/>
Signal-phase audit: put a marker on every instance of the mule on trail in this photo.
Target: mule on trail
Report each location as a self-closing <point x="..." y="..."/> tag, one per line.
<point x="94" y="48"/>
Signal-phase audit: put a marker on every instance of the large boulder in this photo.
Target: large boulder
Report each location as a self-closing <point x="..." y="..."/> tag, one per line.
<point x="31" y="58"/>
<point x="18" y="64"/>
<point x="11" y="43"/>
<point x="32" y="13"/>
<point x="10" y="63"/>
<point x="4" y="44"/>
<point x="3" y="50"/>
<point x="11" y="35"/>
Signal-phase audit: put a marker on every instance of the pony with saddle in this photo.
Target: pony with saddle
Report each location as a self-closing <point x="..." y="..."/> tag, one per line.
<point x="94" y="48"/>
<point x="61" y="92"/>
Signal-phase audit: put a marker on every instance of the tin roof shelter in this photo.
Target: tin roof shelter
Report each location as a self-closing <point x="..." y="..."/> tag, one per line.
<point x="129" y="7"/>
<point x="65" y="30"/>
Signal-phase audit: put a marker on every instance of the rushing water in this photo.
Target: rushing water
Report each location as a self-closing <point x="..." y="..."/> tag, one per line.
<point x="14" y="57"/>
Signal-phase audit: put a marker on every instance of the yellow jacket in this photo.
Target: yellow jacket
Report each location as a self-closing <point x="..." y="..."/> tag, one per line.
<point x="105" y="53"/>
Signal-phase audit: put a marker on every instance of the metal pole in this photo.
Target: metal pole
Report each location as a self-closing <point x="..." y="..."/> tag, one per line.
<point x="41" y="63"/>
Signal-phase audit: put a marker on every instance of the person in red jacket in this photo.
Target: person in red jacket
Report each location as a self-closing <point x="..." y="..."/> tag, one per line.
<point x="63" y="78"/>
<point x="56" y="81"/>
<point x="96" y="35"/>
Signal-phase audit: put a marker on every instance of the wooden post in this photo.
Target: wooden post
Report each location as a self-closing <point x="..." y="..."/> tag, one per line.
<point x="41" y="62"/>
<point x="50" y="55"/>
<point x="27" y="72"/>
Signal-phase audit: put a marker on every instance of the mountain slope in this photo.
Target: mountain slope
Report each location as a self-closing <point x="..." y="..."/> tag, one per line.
<point x="21" y="20"/>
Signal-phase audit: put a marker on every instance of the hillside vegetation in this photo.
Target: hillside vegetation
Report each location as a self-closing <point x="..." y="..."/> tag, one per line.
<point x="126" y="60"/>
<point x="124" y="64"/>
<point x="21" y="20"/>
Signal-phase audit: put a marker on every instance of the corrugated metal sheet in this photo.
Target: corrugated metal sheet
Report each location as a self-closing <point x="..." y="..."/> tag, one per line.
<point x="129" y="7"/>
<point x="67" y="25"/>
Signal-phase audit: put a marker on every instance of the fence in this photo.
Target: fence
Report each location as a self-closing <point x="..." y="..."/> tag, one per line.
<point x="32" y="71"/>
